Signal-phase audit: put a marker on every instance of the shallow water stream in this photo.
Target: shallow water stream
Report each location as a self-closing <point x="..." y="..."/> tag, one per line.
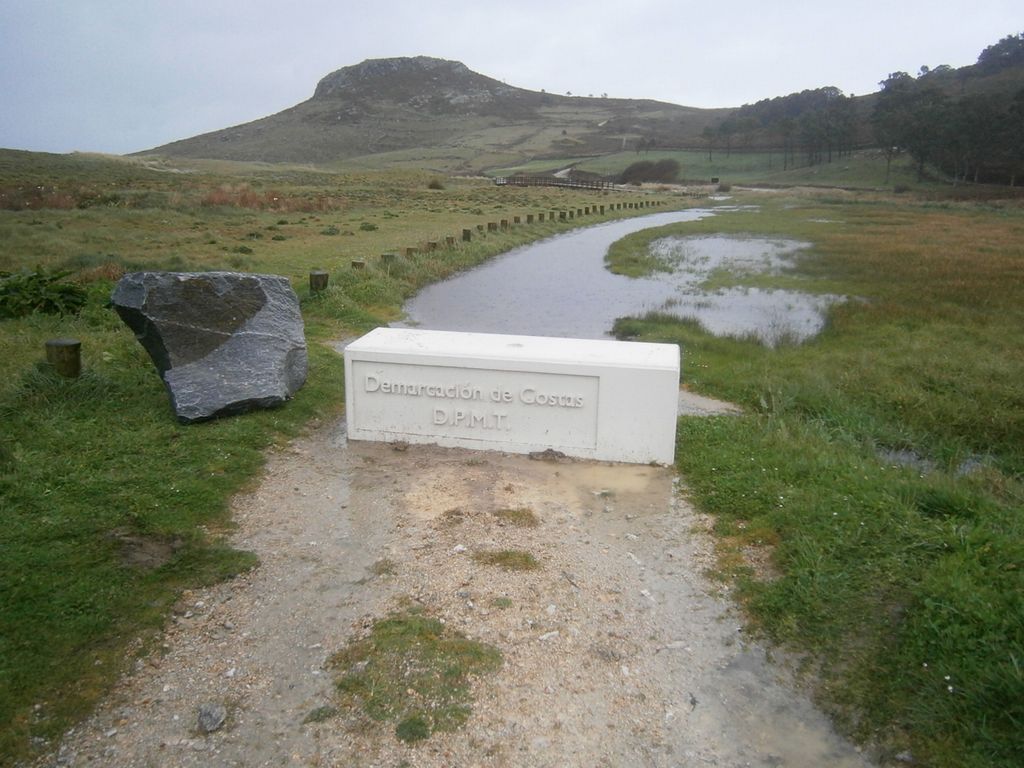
<point x="560" y="287"/>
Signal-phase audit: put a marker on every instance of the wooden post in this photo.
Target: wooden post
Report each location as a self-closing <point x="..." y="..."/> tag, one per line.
<point x="410" y="252"/>
<point x="449" y="241"/>
<point x="516" y="220"/>
<point x="540" y="217"/>
<point x="318" y="281"/>
<point x="504" y="224"/>
<point x="529" y="218"/>
<point x="467" y="235"/>
<point x="358" y="263"/>
<point x="586" y="210"/>
<point x="65" y="355"/>
<point x="562" y="215"/>
<point x="388" y="258"/>
<point x="602" y="210"/>
<point x="432" y="245"/>
<point x="492" y="226"/>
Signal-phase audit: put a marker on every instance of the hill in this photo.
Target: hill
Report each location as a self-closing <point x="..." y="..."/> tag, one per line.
<point x="404" y="109"/>
<point x="432" y="113"/>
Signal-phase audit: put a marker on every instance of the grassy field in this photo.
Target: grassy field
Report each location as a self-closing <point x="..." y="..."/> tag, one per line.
<point x="111" y="508"/>
<point x="870" y="502"/>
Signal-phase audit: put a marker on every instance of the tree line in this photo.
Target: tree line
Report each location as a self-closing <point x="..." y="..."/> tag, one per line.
<point x="977" y="137"/>
<point x="968" y="123"/>
<point x="818" y="124"/>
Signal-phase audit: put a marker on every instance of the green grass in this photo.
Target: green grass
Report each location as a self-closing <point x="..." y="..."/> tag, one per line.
<point x="507" y="559"/>
<point x="905" y="587"/>
<point x="413" y="671"/>
<point x="519" y="516"/>
<point x="96" y="476"/>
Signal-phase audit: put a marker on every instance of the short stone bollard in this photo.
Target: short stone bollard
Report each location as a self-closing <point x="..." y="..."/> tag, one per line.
<point x="410" y="252"/>
<point x="529" y="218"/>
<point x="65" y="355"/>
<point x="504" y="224"/>
<point x="449" y="241"/>
<point x="432" y="245"/>
<point x="387" y="259"/>
<point x="602" y="210"/>
<point x="579" y="211"/>
<point x="467" y="235"/>
<point x="586" y="210"/>
<point x="562" y="215"/>
<point x="358" y="264"/>
<point x="318" y="280"/>
<point x="540" y="217"/>
<point x="492" y="226"/>
<point x="572" y="214"/>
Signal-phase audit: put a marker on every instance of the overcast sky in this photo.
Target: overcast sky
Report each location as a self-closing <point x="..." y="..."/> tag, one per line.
<point x="125" y="75"/>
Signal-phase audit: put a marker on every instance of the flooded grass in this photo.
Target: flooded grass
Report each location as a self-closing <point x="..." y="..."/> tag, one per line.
<point x="728" y="284"/>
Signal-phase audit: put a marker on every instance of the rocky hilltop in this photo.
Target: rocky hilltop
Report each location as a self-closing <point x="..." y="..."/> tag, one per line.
<point x="422" y="108"/>
<point x="418" y="81"/>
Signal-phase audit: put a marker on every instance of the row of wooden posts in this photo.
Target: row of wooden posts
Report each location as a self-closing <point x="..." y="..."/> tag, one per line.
<point x="319" y="279"/>
<point x="65" y="355"/>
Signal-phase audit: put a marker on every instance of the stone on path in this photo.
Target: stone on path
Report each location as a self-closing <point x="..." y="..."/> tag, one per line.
<point x="223" y="342"/>
<point x="212" y="717"/>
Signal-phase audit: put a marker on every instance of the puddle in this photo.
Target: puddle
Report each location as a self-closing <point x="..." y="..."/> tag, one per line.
<point x="560" y="287"/>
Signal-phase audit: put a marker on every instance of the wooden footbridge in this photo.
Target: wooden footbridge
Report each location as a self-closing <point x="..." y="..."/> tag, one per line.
<point x="520" y="180"/>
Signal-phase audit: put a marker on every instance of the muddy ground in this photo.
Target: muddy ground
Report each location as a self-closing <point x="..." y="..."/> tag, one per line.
<point x="618" y="650"/>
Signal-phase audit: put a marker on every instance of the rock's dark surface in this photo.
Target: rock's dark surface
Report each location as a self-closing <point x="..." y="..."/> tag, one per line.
<point x="223" y="342"/>
<point x="211" y="717"/>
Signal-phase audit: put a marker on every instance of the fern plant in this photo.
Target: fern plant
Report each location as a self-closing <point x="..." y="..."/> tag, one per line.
<point x="24" y="293"/>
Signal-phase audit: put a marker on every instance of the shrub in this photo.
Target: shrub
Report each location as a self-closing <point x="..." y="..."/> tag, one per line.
<point x="435" y="184"/>
<point x="367" y="227"/>
<point x="23" y="293"/>
<point x="663" y="171"/>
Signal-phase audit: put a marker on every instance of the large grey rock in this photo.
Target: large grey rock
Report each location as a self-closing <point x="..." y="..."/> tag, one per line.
<point x="223" y="342"/>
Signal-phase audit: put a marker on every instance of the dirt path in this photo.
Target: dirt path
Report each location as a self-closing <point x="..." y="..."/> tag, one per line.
<point x="617" y="651"/>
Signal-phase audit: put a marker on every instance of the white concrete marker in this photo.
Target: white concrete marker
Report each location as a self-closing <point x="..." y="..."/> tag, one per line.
<point x="607" y="400"/>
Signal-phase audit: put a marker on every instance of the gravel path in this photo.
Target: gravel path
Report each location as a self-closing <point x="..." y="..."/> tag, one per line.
<point x="617" y="651"/>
